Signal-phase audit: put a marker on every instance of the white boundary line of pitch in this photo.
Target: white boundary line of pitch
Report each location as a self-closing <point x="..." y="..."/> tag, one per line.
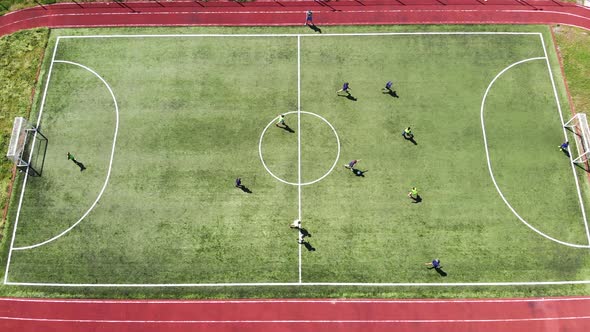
<point x="300" y="283"/>
<point x="282" y="301"/>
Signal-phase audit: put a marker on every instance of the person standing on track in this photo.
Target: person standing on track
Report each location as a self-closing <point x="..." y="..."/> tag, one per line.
<point x="308" y="18"/>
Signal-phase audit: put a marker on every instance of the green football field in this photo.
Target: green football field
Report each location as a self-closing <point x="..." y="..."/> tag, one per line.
<point x="165" y="123"/>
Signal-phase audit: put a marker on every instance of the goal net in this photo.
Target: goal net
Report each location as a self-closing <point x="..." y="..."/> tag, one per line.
<point x="27" y="147"/>
<point x="578" y="125"/>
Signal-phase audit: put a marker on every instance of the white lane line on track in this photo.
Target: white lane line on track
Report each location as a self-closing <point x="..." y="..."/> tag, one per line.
<point x="351" y="321"/>
<point x="110" y="162"/>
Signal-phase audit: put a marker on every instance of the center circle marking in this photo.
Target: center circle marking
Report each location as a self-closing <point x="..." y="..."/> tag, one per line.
<point x="304" y="183"/>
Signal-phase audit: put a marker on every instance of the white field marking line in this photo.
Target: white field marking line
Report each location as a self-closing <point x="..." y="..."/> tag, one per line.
<point x="483" y="101"/>
<point x="292" y="12"/>
<point x="331" y="301"/>
<point x="330" y="284"/>
<point x="110" y="162"/>
<point x="293" y="183"/>
<point x="305" y="35"/>
<point x="300" y="236"/>
<point x="566" y="138"/>
<point x="294" y="321"/>
<point x="22" y="194"/>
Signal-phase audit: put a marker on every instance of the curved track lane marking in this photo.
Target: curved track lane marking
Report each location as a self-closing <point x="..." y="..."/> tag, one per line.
<point x="295" y="321"/>
<point x="106" y="181"/>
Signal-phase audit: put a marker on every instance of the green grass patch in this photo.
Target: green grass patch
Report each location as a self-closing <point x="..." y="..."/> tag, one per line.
<point x="574" y="45"/>
<point x="20" y="59"/>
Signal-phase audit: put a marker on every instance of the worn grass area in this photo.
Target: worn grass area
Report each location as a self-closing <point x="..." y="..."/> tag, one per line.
<point x="574" y="45"/>
<point x="12" y="5"/>
<point x="192" y="111"/>
<point x="20" y="58"/>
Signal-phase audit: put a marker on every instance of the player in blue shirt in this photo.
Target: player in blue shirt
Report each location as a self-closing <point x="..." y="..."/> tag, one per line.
<point x="388" y="85"/>
<point x="345" y="88"/>
<point x="308" y="18"/>
<point x="435" y="264"/>
<point x="563" y="147"/>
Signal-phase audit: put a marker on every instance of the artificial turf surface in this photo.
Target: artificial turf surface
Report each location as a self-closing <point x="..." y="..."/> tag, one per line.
<point x="191" y="112"/>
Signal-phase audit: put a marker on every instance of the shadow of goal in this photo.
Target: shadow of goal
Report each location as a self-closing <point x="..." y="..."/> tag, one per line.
<point x="27" y="148"/>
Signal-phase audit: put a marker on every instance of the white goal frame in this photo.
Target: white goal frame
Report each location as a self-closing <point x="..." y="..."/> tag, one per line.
<point x="22" y="140"/>
<point x="578" y="124"/>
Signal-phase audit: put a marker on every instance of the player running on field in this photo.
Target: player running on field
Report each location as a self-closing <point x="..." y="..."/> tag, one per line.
<point x="281" y="121"/>
<point x="352" y="163"/>
<point x="435" y="264"/>
<point x="407" y="133"/>
<point x="79" y="164"/>
<point x="388" y="85"/>
<point x="345" y="88"/>
<point x="413" y="194"/>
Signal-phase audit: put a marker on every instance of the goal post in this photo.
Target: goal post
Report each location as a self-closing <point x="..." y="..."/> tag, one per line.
<point x="27" y="147"/>
<point x="578" y="125"/>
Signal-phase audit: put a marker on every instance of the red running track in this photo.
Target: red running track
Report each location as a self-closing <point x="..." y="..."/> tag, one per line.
<point x="291" y="12"/>
<point x="539" y="315"/>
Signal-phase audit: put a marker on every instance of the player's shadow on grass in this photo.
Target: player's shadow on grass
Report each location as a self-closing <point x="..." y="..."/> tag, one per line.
<point x="565" y="152"/>
<point x="358" y="172"/>
<point x="304" y="233"/>
<point x="307" y="245"/>
<point x="391" y="93"/>
<point x="314" y="28"/>
<point x="287" y="128"/>
<point x="411" y="139"/>
<point x="349" y="97"/>
<point x="439" y="270"/>
<point x="245" y="189"/>
<point x="582" y="166"/>
<point x="82" y="167"/>
<point x="417" y="199"/>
